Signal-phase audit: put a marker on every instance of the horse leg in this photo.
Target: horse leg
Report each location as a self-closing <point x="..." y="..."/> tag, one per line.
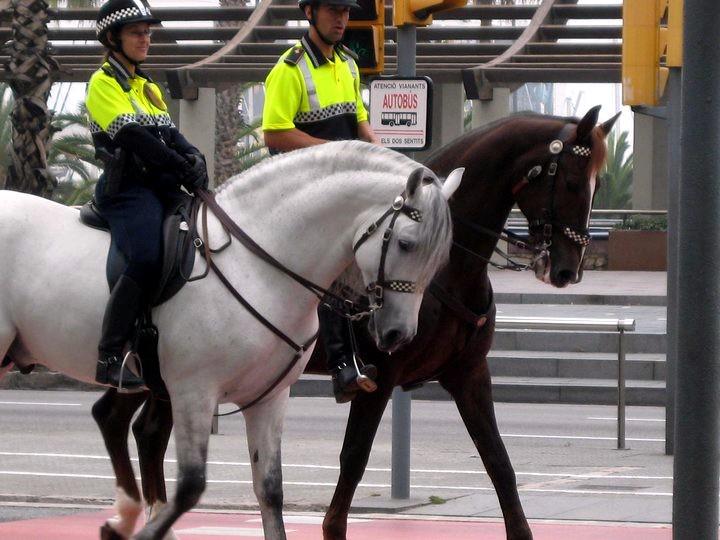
<point x="470" y="386"/>
<point x="192" y="410"/>
<point x="113" y="413"/>
<point x="7" y="336"/>
<point x="152" y="433"/>
<point x="365" y="414"/>
<point x="264" y="424"/>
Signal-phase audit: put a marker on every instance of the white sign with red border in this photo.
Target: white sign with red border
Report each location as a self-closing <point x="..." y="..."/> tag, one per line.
<point x="400" y="111"/>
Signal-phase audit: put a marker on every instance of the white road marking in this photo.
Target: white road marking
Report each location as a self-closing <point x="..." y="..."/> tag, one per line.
<point x="41" y="403"/>
<point x="334" y="467"/>
<point x="576" y="437"/>
<point x="374" y="486"/>
<point x="614" y="419"/>
<point x="224" y="531"/>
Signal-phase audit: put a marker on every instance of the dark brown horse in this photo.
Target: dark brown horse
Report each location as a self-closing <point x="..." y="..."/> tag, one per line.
<point x="545" y="165"/>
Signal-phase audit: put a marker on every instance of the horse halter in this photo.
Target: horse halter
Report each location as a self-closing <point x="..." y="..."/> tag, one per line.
<point x="544" y="225"/>
<point x="376" y="289"/>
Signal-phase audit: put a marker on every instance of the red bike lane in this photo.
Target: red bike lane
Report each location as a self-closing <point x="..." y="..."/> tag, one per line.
<point x="214" y="526"/>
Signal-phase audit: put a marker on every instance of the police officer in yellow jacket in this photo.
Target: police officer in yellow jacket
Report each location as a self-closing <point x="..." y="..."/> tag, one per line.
<point x="145" y="157"/>
<point x="312" y="96"/>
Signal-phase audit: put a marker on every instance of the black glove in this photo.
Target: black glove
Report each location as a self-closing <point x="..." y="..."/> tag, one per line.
<point x="193" y="173"/>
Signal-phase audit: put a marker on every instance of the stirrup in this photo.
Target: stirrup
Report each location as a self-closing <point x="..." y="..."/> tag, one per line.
<point x="365" y="383"/>
<point x="121" y="389"/>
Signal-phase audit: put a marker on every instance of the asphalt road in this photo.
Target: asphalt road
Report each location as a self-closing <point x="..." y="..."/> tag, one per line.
<point x="52" y="460"/>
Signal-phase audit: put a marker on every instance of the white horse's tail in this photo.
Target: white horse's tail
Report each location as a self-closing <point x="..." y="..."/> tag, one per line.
<point x="5" y="366"/>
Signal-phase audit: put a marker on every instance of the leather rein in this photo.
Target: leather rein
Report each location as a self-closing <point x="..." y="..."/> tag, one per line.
<point x="541" y="227"/>
<point x="375" y="289"/>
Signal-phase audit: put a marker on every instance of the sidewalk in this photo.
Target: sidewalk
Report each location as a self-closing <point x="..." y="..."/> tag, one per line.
<point x="596" y="287"/>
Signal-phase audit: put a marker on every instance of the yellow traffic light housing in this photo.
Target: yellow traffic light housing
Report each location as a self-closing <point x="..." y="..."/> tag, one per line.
<point x="419" y="12"/>
<point x="652" y="41"/>
<point x="365" y="35"/>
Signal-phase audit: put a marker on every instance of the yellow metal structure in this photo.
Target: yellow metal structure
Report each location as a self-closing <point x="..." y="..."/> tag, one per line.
<point x="419" y="12"/>
<point x="652" y="41"/>
<point x="675" y="33"/>
<point x="365" y="34"/>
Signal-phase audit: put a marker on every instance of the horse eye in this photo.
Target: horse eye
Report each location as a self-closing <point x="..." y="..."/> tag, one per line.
<point x="406" y="245"/>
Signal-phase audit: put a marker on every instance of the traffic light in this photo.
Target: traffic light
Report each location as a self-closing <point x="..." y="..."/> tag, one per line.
<point x="419" y="12"/>
<point x="652" y="41"/>
<point x="365" y="35"/>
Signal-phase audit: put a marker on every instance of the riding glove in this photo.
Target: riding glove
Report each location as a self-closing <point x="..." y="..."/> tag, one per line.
<point x="193" y="174"/>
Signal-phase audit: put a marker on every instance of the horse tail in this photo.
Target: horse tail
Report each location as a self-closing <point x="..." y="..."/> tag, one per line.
<point x="5" y="366"/>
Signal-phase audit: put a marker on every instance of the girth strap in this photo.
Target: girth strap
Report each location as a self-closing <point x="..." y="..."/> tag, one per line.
<point x="464" y="313"/>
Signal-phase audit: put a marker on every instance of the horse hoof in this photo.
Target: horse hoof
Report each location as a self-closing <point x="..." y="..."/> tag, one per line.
<point x="108" y="533"/>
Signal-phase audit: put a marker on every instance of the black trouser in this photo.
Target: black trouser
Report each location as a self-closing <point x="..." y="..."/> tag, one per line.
<point x="135" y="216"/>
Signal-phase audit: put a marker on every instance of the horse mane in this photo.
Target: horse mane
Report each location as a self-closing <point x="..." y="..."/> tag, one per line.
<point x="435" y="230"/>
<point x="343" y="156"/>
<point x="599" y="147"/>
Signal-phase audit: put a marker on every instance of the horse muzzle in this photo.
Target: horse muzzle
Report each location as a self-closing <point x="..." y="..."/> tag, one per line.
<point x="389" y="340"/>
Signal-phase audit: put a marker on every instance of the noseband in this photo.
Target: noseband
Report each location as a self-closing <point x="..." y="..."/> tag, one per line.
<point x="375" y="290"/>
<point x="543" y="226"/>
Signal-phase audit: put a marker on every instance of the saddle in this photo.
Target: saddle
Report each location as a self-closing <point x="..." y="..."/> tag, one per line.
<point x="179" y="234"/>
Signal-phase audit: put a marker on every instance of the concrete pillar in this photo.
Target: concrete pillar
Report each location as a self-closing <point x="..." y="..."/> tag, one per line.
<point x="498" y="107"/>
<point x="649" y="163"/>
<point x="447" y="116"/>
<point x="196" y="120"/>
<point x="484" y="112"/>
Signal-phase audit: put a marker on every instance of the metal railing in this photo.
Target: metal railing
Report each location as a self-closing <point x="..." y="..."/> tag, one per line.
<point x="400" y="467"/>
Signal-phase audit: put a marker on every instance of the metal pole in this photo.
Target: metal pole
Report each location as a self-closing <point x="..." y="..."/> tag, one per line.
<point x="400" y="475"/>
<point x="621" y="392"/>
<point x="215" y="424"/>
<point x="697" y="398"/>
<point x="674" y="115"/>
<point x="401" y="401"/>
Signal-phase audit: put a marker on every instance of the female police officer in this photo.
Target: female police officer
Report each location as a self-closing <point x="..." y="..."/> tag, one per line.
<point x="146" y="157"/>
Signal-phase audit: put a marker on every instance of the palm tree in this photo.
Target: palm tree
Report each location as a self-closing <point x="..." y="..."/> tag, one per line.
<point x="615" y="190"/>
<point x="6" y="105"/>
<point x="30" y="70"/>
<point x="70" y="151"/>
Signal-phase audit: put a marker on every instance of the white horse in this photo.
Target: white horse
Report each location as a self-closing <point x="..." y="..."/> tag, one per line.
<point x="308" y="209"/>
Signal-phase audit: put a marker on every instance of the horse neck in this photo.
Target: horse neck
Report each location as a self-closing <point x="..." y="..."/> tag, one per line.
<point x="308" y="220"/>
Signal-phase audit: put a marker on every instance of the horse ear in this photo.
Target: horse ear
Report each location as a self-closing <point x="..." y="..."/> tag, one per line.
<point x="586" y="125"/>
<point x="607" y="125"/>
<point x="419" y="177"/>
<point x="452" y="182"/>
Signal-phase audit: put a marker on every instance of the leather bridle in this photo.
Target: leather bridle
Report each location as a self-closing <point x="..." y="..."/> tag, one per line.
<point x="542" y="227"/>
<point x="376" y="289"/>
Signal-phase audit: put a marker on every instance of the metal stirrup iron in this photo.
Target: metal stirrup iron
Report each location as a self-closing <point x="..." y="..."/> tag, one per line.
<point x="364" y="382"/>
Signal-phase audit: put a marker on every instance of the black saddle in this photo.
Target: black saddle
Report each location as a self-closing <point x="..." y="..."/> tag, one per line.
<point x="179" y="234"/>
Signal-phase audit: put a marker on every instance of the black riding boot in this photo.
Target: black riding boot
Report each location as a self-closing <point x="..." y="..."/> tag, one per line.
<point x="335" y="335"/>
<point x="120" y="315"/>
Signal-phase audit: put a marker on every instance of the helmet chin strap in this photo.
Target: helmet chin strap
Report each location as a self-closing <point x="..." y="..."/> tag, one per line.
<point x="118" y="50"/>
<point x="322" y="37"/>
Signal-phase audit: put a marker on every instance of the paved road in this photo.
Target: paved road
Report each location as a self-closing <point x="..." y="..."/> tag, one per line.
<point x="564" y="456"/>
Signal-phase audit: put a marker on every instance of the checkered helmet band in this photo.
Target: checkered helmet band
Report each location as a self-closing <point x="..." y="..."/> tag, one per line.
<point x="116" y="13"/>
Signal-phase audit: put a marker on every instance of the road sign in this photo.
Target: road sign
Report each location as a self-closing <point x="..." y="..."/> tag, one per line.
<point x="401" y="110"/>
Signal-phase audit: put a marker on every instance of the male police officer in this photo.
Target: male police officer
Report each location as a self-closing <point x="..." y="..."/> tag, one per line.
<point x="312" y="96"/>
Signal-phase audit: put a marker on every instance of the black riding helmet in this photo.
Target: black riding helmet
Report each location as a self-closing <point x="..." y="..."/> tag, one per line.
<point x="114" y="14"/>
<point x="350" y="3"/>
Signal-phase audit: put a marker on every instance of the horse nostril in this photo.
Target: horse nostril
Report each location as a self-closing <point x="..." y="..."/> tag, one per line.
<point x="392" y="338"/>
<point x="564" y="277"/>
